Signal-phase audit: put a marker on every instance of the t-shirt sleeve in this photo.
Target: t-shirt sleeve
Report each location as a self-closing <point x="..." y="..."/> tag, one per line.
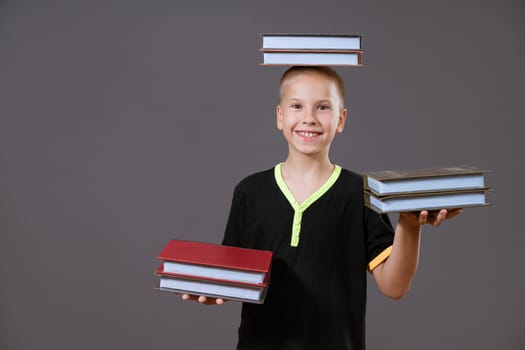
<point x="380" y="236"/>
<point x="235" y="225"/>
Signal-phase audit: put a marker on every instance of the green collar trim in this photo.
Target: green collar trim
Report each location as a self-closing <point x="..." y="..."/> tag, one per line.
<point x="299" y="208"/>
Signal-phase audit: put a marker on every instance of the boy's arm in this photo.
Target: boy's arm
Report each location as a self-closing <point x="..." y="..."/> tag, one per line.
<point x="395" y="275"/>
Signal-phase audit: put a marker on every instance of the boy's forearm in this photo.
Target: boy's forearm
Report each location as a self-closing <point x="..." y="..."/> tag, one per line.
<point x="395" y="275"/>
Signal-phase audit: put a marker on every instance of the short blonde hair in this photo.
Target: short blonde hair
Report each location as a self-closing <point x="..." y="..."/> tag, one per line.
<point x="326" y="71"/>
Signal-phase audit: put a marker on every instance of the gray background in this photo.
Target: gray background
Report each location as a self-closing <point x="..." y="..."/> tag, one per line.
<point x="127" y="123"/>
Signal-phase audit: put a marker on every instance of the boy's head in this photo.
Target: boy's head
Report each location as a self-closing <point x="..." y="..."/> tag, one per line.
<point x="310" y="110"/>
<point x="325" y="71"/>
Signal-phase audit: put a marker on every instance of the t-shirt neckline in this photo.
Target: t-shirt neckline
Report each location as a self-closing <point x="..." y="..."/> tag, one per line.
<point x="314" y="196"/>
<point x="299" y="208"/>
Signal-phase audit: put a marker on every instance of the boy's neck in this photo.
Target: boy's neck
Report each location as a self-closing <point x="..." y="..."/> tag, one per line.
<point x="305" y="175"/>
<point x="305" y="166"/>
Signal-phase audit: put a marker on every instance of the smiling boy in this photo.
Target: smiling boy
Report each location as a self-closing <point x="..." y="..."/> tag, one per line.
<point x="310" y="213"/>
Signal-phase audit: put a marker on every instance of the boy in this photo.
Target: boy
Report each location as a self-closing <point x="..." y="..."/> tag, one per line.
<point x="310" y="213"/>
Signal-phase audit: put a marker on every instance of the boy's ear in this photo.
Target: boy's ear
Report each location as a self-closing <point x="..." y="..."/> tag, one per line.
<point x="279" y="116"/>
<point x="341" y="120"/>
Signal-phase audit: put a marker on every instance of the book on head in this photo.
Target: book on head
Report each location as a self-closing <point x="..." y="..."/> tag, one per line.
<point x="311" y="41"/>
<point x="312" y="57"/>
<point x="312" y="50"/>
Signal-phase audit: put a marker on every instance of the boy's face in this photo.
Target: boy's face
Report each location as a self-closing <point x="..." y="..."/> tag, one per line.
<point x="310" y="113"/>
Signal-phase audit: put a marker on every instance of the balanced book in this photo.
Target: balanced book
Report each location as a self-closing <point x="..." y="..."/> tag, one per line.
<point x="333" y="58"/>
<point x="312" y="49"/>
<point x="312" y="41"/>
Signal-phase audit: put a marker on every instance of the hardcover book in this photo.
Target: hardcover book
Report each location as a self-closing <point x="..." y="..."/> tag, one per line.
<point x="210" y="287"/>
<point x="388" y="182"/>
<point x="312" y="57"/>
<point x="311" y="41"/>
<point x="215" y="270"/>
<point x="426" y="200"/>
<point x="312" y="49"/>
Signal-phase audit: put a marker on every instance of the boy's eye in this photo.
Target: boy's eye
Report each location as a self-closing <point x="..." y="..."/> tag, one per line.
<point x="295" y="106"/>
<point x="323" y="107"/>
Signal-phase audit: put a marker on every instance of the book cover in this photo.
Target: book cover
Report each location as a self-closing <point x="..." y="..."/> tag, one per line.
<point x="230" y="259"/>
<point x="387" y="182"/>
<point x="397" y="174"/>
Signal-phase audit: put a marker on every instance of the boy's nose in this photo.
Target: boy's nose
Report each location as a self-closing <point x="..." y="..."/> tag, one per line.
<point x="309" y="121"/>
<point x="309" y="117"/>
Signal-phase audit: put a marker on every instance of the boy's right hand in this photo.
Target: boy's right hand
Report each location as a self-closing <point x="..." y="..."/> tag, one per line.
<point x="203" y="300"/>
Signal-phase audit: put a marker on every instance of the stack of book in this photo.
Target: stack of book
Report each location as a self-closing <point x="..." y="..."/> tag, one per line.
<point x="214" y="270"/>
<point x="425" y="189"/>
<point x="312" y="49"/>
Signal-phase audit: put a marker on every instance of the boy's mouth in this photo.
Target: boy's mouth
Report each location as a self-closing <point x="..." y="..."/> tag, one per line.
<point x="308" y="134"/>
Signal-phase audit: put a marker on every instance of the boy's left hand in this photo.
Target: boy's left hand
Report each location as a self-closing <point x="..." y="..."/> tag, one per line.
<point x="433" y="217"/>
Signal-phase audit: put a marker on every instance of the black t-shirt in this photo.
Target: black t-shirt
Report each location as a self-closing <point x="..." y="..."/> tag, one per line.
<point x="317" y="293"/>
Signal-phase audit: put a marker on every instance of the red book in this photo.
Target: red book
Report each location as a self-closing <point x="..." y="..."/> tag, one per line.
<point x="215" y="270"/>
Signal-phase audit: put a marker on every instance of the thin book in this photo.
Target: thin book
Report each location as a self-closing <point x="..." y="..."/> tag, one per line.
<point x="312" y="50"/>
<point x="311" y="41"/>
<point x="426" y="201"/>
<point x="211" y="287"/>
<point x="390" y="182"/>
<point x="312" y="57"/>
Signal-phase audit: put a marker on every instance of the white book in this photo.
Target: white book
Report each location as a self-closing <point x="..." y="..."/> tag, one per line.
<point x="426" y="184"/>
<point x="434" y="201"/>
<point x="211" y="288"/>
<point x="388" y="182"/>
<point x="312" y="41"/>
<point x="220" y="273"/>
<point x="312" y="58"/>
